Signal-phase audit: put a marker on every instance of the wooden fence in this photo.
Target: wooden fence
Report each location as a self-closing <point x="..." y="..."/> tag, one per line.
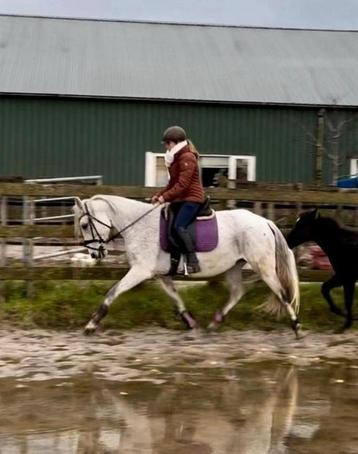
<point x="281" y="203"/>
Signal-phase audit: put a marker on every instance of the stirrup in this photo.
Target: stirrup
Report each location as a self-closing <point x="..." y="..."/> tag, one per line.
<point x="191" y="268"/>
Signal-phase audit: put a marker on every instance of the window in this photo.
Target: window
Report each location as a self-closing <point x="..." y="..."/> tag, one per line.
<point x="354" y="166"/>
<point x="215" y="169"/>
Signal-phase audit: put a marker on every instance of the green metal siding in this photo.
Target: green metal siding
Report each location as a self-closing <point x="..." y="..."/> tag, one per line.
<point x="342" y="128"/>
<point x="53" y="137"/>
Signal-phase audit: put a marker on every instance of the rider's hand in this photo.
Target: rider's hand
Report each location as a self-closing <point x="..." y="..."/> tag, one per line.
<point x="161" y="199"/>
<point x="154" y="199"/>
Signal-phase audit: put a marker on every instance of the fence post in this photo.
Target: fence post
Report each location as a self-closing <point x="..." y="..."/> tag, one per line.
<point x="3" y="222"/>
<point x="258" y="208"/>
<point x="271" y="211"/>
<point x="28" y="247"/>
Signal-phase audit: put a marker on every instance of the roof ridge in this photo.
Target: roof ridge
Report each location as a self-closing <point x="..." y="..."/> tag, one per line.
<point x="185" y="24"/>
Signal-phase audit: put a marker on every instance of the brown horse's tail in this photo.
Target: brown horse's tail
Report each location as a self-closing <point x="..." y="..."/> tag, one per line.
<point x="287" y="274"/>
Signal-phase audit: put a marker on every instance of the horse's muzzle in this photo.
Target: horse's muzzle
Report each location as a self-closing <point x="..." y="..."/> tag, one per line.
<point x="98" y="253"/>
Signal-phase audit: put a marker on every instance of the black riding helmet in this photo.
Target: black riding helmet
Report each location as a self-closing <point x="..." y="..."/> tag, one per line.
<point x="174" y="134"/>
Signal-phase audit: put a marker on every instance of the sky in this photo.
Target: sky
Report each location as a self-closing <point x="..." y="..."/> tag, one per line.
<point x="321" y="14"/>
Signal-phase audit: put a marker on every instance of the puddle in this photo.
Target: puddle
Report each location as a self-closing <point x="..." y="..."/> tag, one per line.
<point x="163" y="392"/>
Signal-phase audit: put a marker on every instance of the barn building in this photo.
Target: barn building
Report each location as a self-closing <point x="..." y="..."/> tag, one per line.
<point x="84" y="97"/>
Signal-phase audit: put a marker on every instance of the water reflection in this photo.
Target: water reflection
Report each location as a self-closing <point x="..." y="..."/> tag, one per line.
<point x="250" y="410"/>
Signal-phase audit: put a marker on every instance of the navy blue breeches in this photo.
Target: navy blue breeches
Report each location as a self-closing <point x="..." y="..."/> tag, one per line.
<point x="186" y="214"/>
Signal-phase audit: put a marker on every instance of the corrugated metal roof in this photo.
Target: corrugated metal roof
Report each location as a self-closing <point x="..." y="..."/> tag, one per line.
<point x="178" y="62"/>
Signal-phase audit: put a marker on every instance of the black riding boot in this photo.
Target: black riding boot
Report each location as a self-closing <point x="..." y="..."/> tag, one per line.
<point x="174" y="263"/>
<point x="192" y="262"/>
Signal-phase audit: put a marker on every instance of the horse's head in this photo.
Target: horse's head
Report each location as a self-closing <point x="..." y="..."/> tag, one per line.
<point x="303" y="229"/>
<point x="92" y="221"/>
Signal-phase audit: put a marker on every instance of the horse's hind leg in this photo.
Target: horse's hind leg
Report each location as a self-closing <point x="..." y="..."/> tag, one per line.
<point x="278" y="302"/>
<point x="349" y="288"/>
<point x="168" y="286"/>
<point x="327" y="286"/>
<point x="233" y="278"/>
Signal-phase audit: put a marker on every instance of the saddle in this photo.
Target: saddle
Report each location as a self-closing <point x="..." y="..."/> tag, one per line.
<point x="203" y="230"/>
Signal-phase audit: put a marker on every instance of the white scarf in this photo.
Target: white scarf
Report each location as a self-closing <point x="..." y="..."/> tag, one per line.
<point x="169" y="154"/>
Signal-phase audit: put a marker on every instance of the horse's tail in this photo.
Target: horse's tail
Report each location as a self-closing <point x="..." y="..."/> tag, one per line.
<point x="287" y="274"/>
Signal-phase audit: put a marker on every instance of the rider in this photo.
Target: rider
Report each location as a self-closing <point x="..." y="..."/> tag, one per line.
<point x="184" y="191"/>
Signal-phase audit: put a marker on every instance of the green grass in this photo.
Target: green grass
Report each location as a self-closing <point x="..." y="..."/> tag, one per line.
<point x="69" y="304"/>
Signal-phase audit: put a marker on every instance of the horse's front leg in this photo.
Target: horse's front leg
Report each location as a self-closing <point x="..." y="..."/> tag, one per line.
<point x="135" y="276"/>
<point x="327" y="286"/>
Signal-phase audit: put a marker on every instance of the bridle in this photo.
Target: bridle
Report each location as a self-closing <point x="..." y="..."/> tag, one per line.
<point x="96" y="236"/>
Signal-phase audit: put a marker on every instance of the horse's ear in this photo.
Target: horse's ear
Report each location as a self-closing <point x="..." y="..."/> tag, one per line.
<point x="78" y="209"/>
<point x="79" y="204"/>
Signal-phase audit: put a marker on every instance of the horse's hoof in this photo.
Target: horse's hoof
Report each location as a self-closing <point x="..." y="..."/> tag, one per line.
<point x="297" y="328"/>
<point x="300" y="334"/>
<point x="88" y="332"/>
<point x="213" y="326"/>
<point x="216" y="321"/>
<point x="90" y="328"/>
<point x="189" y="320"/>
<point x="193" y="334"/>
<point x="341" y="329"/>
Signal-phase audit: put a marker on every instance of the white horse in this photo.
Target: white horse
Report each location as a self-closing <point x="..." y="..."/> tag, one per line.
<point x="244" y="237"/>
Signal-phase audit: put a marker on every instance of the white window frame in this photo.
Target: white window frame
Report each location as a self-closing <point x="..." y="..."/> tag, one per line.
<point x="151" y="170"/>
<point x="354" y="167"/>
<point x="251" y="166"/>
<point x="150" y="176"/>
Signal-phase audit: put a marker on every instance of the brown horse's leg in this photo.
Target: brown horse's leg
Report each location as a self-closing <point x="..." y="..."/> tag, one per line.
<point x="327" y="286"/>
<point x="348" y="301"/>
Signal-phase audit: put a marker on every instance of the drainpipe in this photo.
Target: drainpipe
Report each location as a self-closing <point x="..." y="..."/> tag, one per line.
<point x="319" y="148"/>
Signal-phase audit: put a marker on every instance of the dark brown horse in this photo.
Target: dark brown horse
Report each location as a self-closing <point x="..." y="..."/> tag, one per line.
<point x="340" y="243"/>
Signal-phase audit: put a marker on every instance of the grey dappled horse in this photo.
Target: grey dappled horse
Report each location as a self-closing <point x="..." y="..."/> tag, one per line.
<point x="244" y="237"/>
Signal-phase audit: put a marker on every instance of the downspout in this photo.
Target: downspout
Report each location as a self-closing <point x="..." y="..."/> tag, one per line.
<point x="318" y="171"/>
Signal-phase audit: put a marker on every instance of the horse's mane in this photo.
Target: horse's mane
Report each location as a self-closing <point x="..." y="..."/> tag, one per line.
<point x="337" y="223"/>
<point x="109" y="200"/>
<point x="333" y="224"/>
<point x="106" y="199"/>
<point x="329" y="222"/>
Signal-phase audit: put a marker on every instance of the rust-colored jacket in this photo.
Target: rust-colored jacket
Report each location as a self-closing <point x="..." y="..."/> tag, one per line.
<point x="184" y="184"/>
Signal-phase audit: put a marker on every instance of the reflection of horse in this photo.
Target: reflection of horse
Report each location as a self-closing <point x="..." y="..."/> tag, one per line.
<point x="253" y="417"/>
<point x="244" y="237"/>
<point x="341" y="246"/>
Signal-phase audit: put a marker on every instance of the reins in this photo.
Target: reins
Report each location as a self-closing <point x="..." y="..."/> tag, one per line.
<point x="94" y="230"/>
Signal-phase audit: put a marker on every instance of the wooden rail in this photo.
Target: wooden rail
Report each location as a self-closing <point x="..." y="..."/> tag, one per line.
<point x="248" y="192"/>
<point x="32" y="231"/>
<point x="39" y="273"/>
<point x="262" y="198"/>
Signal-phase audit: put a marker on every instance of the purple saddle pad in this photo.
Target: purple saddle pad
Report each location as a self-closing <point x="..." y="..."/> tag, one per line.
<point x="206" y="233"/>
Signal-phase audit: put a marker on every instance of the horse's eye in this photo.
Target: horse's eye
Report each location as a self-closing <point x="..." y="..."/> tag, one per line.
<point x="84" y="226"/>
